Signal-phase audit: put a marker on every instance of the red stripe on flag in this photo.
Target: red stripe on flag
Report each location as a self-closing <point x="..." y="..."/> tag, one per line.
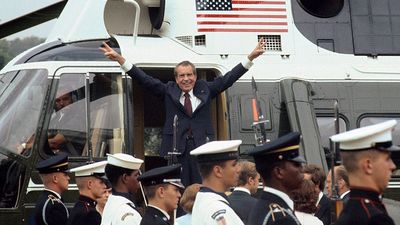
<point x="241" y="30"/>
<point x="240" y="23"/>
<point x="239" y="16"/>
<point x="259" y="2"/>
<point x="260" y="9"/>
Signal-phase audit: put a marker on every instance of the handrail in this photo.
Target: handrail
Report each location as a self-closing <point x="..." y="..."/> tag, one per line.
<point x="137" y="17"/>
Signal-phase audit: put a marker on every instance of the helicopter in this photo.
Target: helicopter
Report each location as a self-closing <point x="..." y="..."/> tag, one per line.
<point x="318" y="54"/>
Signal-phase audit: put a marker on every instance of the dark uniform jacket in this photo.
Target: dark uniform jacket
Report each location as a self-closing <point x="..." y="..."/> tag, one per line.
<point x="272" y="209"/>
<point x="242" y="203"/>
<point x="324" y="210"/>
<point x="50" y="210"/>
<point x="84" y="212"/>
<point x="364" y="207"/>
<point x="200" y="121"/>
<point x="153" y="216"/>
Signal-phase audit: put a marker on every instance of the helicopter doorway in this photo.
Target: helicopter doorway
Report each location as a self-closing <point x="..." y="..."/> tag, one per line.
<point x="149" y="115"/>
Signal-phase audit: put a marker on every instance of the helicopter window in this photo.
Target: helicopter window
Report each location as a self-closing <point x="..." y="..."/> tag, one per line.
<point x="326" y="126"/>
<point x="67" y="129"/>
<point x="5" y="79"/>
<point x="20" y="106"/>
<point x="11" y="179"/>
<point x="322" y="8"/>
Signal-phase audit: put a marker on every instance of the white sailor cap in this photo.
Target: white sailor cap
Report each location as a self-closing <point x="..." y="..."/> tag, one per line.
<point x="124" y="161"/>
<point x="95" y="169"/>
<point x="378" y="136"/>
<point x="217" y="151"/>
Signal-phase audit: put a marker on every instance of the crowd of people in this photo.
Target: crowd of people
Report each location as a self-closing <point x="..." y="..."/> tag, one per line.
<point x="198" y="188"/>
<point x="292" y="192"/>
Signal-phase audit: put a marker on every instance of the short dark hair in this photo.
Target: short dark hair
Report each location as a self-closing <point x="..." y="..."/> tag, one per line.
<point x="185" y="63"/>
<point x="247" y="170"/>
<point x="151" y="190"/>
<point x="305" y="197"/>
<point x="318" y="176"/>
<point x="206" y="168"/>
<point x="341" y="173"/>
<point x="114" y="172"/>
<point x="266" y="170"/>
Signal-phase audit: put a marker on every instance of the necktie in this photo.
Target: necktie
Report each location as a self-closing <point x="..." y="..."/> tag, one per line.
<point x="188" y="104"/>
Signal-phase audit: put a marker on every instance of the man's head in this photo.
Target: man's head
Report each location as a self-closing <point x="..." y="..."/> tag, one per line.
<point x="248" y="176"/>
<point x="90" y="179"/>
<point x="53" y="172"/>
<point x="162" y="186"/>
<point x="122" y="171"/>
<point x="217" y="161"/>
<point x="279" y="162"/>
<point x="63" y="98"/>
<point x="185" y="75"/>
<point x="341" y="180"/>
<point x="366" y="154"/>
<point x="316" y="175"/>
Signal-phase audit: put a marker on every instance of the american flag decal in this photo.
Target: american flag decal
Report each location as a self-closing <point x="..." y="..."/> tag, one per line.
<point x="241" y="16"/>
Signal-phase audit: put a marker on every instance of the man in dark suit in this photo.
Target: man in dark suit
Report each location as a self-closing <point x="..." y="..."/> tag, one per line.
<point x="317" y="176"/>
<point x="50" y="210"/>
<point x="280" y="167"/>
<point x="366" y="154"/>
<point x="241" y="199"/>
<point x="189" y="99"/>
<point x="162" y="186"/>
<point x="341" y="181"/>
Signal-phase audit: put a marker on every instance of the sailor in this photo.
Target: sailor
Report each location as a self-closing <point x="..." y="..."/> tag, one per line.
<point x="218" y="167"/>
<point x="90" y="181"/>
<point x="366" y="155"/>
<point x="122" y="171"/>
<point x="162" y="187"/>
<point x="280" y="167"/>
<point x="50" y="210"/>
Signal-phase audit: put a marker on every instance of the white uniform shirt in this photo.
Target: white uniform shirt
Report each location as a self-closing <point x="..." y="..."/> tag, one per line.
<point x="117" y="211"/>
<point x="211" y="208"/>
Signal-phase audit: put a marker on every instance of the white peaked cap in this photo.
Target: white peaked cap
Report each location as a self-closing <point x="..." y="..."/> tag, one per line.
<point x="217" y="151"/>
<point x="90" y="169"/>
<point x="366" y="137"/>
<point x="124" y="161"/>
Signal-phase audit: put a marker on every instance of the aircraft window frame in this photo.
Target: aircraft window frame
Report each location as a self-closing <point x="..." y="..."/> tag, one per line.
<point x="342" y="119"/>
<point x="99" y="97"/>
<point x="320" y="9"/>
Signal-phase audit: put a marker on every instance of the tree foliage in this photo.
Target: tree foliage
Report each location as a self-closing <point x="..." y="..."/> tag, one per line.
<point x="11" y="48"/>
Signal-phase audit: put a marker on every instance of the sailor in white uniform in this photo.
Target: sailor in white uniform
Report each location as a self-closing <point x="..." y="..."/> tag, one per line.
<point x="122" y="170"/>
<point x="217" y="162"/>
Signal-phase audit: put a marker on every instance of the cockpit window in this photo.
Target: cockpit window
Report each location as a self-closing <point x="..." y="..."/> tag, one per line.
<point x="20" y="106"/>
<point x="67" y="131"/>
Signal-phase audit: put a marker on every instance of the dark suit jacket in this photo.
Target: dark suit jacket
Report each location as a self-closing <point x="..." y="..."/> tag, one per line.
<point x="345" y="199"/>
<point x="324" y="210"/>
<point x="274" y="209"/>
<point x="200" y="121"/>
<point x="50" y="210"/>
<point x="153" y="216"/>
<point x="242" y="203"/>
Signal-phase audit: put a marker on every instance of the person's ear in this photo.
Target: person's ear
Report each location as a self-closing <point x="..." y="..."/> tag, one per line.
<point x="279" y="172"/>
<point x="217" y="170"/>
<point x="367" y="165"/>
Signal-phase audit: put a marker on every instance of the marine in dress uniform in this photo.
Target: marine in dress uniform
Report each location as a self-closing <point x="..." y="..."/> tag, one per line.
<point x="280" y="167"/>
<point x="50" y="210"/>
<point x="84" y="211"/>
<point x="218" y="167"/>
<point x="162" y="187"/>
<point x="122" y="171"/>
<point x="365" y="154"/>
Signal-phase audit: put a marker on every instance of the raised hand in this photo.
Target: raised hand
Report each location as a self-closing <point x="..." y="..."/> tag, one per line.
<point x="259" y="50"/>
<point x="112" y="54"/>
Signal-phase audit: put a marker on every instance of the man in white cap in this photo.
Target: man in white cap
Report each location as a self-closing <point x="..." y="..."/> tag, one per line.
<point x="218" y="167"/>
<point x="122" y="171"/>
<point x="366" y="156"/>
<point x="90" y="181"/>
